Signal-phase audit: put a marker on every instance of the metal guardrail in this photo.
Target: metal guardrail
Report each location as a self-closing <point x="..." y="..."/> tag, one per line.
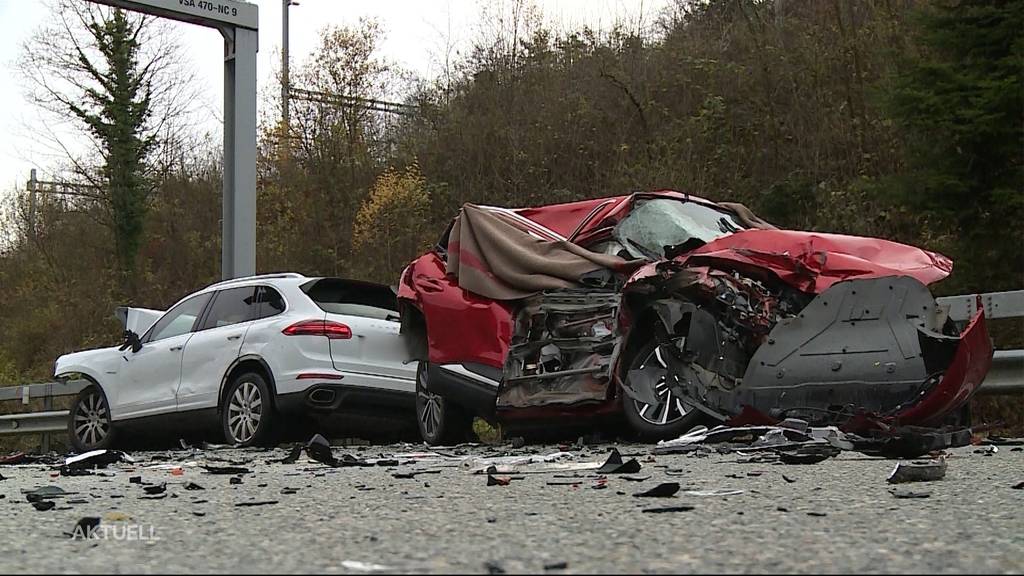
<point x="996" y="304"/>
<point x="1005" y="377"/>
<point x="34" y="422"/>
<point x="42" y="391"/>
<point x="38" y="422"/>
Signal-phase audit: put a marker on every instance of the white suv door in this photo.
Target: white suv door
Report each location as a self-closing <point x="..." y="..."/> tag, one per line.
<point x="149" y="378"/>
<point x="215" y="346"/>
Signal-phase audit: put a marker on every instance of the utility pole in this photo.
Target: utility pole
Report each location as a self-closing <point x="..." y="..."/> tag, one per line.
<point x="32" y="201"/>
<point x="285" y="81"/>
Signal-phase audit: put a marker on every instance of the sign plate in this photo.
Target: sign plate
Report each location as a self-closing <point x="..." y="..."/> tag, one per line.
<point x="213" y="13"/>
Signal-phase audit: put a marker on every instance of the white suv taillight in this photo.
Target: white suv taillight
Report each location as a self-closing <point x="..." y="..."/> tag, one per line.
<point x="332" y="330"/>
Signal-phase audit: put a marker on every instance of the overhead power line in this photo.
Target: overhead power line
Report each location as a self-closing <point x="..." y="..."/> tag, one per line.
<point x="352" y="101"/>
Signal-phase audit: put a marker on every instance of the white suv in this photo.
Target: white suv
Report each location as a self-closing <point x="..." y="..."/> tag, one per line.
<point x="246" y="352"/>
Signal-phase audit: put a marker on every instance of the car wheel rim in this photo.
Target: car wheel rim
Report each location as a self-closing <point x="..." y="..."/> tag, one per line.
<point x="92" y="420"/>
<point x="430" y="408"/>
<point x="670" y="408"/>
<point x="430" y="414"/>
<point x="245" y="411"/>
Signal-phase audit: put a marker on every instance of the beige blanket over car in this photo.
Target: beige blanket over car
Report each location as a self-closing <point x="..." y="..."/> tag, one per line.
<point x="497" y="259"/>
<point x="494" y="258"/>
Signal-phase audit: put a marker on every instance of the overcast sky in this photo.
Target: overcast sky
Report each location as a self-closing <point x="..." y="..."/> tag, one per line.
<point x="415" y="38"/>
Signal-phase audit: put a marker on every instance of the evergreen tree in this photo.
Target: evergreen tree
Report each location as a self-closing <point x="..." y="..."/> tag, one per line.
<point x="959" y="100"/>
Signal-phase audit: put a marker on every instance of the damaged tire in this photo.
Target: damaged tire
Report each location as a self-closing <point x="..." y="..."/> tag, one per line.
<point x="670" y="417"/>
<point x="248" y="411"/>
<point x="440" y="421"/>
<point x="89" y="427"/>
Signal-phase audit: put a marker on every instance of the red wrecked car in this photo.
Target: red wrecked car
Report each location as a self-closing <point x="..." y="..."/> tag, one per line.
<point x="674" y="309"/>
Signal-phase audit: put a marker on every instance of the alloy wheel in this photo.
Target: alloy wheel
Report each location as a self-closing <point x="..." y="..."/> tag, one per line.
<point x="430" y="416"/>
<point x="669" y="408"/>
<point x="92" y="420"/>
<point x="244" y="412"/>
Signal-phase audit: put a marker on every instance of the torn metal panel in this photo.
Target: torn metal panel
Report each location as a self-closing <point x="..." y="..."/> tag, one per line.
<point x="564" y="346"/>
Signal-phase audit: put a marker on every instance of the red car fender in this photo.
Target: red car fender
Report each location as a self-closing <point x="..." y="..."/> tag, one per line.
<point x="461" y="326"/>
<point x="971" y="363"/>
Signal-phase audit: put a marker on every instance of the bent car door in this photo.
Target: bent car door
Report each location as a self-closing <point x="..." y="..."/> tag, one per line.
<point x="150" y="377"/>
<point x="212" y="349"/>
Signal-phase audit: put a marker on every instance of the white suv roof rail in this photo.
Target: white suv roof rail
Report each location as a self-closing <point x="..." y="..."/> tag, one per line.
<point x="278" y="275"/>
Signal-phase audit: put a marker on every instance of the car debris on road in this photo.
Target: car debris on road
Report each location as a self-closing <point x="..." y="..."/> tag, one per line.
<point x="793" y="442"/>
<point x="928" y="471"/>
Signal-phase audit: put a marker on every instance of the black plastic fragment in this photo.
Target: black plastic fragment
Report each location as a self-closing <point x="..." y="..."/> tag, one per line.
<point x="666" y="490"/>
<point x="44" y="505"/>
<point x="1000" y="441"/>
<point x="100" y="459"/>
<point x="158" y="489"/>
<point x="667" y="509"/>
<point x="65" y="471"/>
<point x="293" y="456"/>
<point x="319" y="449"/>
<point x="226" y="470"/>
<point x="44" y="493"/>
<point x="135" y="480"/>
<point x="413" y="474"/>
<point x="912" y="441"/>
<point x="256" y="503"/>
<point x="235" y="480"/>
<point x="808" y="454"/>
<point x="615" y="465"/>
<point x="193" y="486"/>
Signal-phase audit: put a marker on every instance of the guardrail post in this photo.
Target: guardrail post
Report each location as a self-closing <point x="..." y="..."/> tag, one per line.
<point x="47" y="407"/>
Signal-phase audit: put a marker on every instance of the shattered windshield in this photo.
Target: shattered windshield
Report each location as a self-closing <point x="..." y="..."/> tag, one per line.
<point x="659" y="223"/>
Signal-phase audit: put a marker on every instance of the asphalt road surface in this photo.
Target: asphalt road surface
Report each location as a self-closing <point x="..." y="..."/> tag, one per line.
<point x="838" y="516"/>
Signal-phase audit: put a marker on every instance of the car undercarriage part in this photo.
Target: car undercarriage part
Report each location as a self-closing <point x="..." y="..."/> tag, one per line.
<point x="564" y="345"/>
<point x="862" y="346"/>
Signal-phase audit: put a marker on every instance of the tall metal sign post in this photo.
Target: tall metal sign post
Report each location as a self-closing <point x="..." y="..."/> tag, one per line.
<point x="238" y="22"/>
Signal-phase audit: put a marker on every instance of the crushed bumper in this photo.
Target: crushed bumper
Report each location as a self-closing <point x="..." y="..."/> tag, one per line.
<point x="870" y="346"/>
<point x="971" y="363"/>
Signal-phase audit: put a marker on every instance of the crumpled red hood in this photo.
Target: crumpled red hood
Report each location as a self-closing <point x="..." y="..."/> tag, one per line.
<point x="812" y="261"/>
